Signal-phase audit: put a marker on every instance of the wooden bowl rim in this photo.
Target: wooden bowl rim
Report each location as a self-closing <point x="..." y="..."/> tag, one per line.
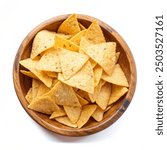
<point x="83" y="131"/>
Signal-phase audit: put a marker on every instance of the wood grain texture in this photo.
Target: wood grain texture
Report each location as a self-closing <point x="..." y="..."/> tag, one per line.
<point x="23" y="83"/>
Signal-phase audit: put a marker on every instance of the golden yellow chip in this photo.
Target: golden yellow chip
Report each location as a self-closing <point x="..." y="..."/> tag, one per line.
<point x="82" y="101"/>
<point x="98" y="114"/>
<point x="63" y="95"/>
<point x="31" y="65"/>
<point x="73" y="112"/>
<point x="117" y="77"/>
<point x="71" y="62"/>
<point x="86" y="113"/>
<point x="58" y="113"/>
<point x="81" y="26"/>
<point x="44" y="104"/>
<point x="67" y="44"/>
<point x="49" y="61"/>
<point x="103" y="54"/>
<point x="44" y="40"/>
<point x="97" y="74"/>
<point x="35" y="86"/>
<point x="117" y="92"/>
<point x="66" y="121"/>
<point x="42" y="89"/>
<point x="70" y="25"/>
<point x="82" y="94"/>
<point x="64" y="36"/>
<point x="28" y="96"/>
<point x="51" y="74"/>
<point x="29" y="74"/>
<point x="104" y="96"/>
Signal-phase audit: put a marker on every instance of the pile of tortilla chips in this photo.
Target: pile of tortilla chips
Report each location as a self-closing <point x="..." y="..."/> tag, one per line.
<point x="75" y="74"/>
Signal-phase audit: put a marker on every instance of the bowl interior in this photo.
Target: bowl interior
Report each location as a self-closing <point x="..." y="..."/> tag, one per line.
<point x="23" y="83"/>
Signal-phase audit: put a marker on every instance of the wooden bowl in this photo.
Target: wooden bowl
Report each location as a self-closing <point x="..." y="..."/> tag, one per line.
<point x="23" y="83"/>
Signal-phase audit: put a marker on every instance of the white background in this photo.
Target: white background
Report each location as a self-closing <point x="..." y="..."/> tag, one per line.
<point x="134" y="20"/>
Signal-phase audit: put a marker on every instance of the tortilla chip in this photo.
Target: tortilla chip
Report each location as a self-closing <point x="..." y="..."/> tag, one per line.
<point x="66" y="121"/>
<point x="97" y="74"/>
<point x="81" y="26"/>
<point x="51" y="74"/>
<point x="28" y="96"/>
<point x="54" y="82"/>
<point x="58" y="113"/>
<point x="73" y="113"/>
<point x="104" y="96"/>
<point x="98" y="114"/>
<point x="117" y="92"/>
<point x="63" y="95"/>
<point x="29" y="74"/>
<point x="103" y="54"/>
<point x="42" y="89"/>
<point x="49" y="61"/>
<point x="35" y="86"/>
<point x="31" y="65"/>
<point x="44" y="105"/>
<point x="67" y="44"/>
<point x="77" y="37"/>
<point x="70" y="25"/>
<point x="44" y="40"/>
<point x="108" y="108"/>
<point x="117" y="77"/>
<point x="64" y="36"/>
<point x="95" y="34"/>
<point x="82" y="101"/>
<point x="83" y="79"/>
<point x="86" y="113"/>
<point x="71" y="62"/>
<point x="83" y="94"/>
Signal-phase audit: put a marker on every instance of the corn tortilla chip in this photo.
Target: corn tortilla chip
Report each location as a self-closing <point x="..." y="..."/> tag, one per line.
<point x="28" y="96"/>
<point x="73" y="113"/>
<point x="71" y="62"/>
<point x="98" y="114"/>
<point x="70" y="25"/>
<point x="58" y="113"/>
<point x="35" y="86"/>
<point x="82" y="101"/>
<point x="103" y="54"/>
<point x="97" y="74"/>
<point x="44" y="40"/>
<point x="42" y="89"/>
<point x="86" y="113"/>
<point x="51" y="74"/>
<point x="83" y="79"/>
<point x="64" y="36"/>
<point x="83" y="94"/>
<point x="117" y="92"/>
<point x="29" y="74"/>
<point x="117" y="77"/>
<point x="66" y="121"/>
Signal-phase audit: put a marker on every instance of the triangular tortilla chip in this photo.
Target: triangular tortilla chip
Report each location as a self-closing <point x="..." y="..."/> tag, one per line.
<point x="116" y="93"/>
<point x="63" y="95"/>
<point x="35" y="86"/>
<point x="28" y="96"/>
<point x="98" y="114"/>
<point x="82" y="101"/>
<point x="64" y="36"/>
<point x="44" y="40"/>
<point x="82" y="94"/>
<point x="83" y="79"/>
<point x="73" y="113"/>
<point x="29" y="74"/>
<point x="95" y="34"/>
<point x="42" y="89"/>
<point x="70" y="25"/>
<point x="31" y="65"/>
<point x="49" y="61"/>
<point x="97" y="74"/>
<point x="86" y="113"/>
<point x="67" y="44"/>
<point x="103" y="54"/>
<point x="51" y="74"/>
<point x="81" y="26"/>
<point x="117" y="77"/>
<point x="71" y="62"/>
<point x="44" y="105"/>
<point x="66" y="121"/>
<point x="104" y="96"/>
<point x="58" y="113"/>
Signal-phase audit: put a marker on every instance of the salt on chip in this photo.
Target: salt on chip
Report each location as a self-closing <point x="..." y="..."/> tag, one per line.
<point x="82" y="101"/>
<point x="44" y="104"/>
<point x="58" y="113"/>
<point x="104" y="96"/>
<point x="28" y="96"/>
<point x="83" y="79"/>
<point x="117" y="92"/>
<point x="29" y="74"/>
<point x="44" y="40"/>
<point x="86" y="113"/>
<point x="71" y="62"/>
<point x="64" y="43"/>
<point x="117" y="77"/>
<point x="49" y="61"/>
<point x="73" y="112"/>
<point x="103" y="54"/>
<point x="98" y="114"/>
<point x="70" y="25"/>
<point x="63" y="95"/>
<point x="97" y="74"/>
<point x="66" y="121"/>
<point x="31" y="65"/>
